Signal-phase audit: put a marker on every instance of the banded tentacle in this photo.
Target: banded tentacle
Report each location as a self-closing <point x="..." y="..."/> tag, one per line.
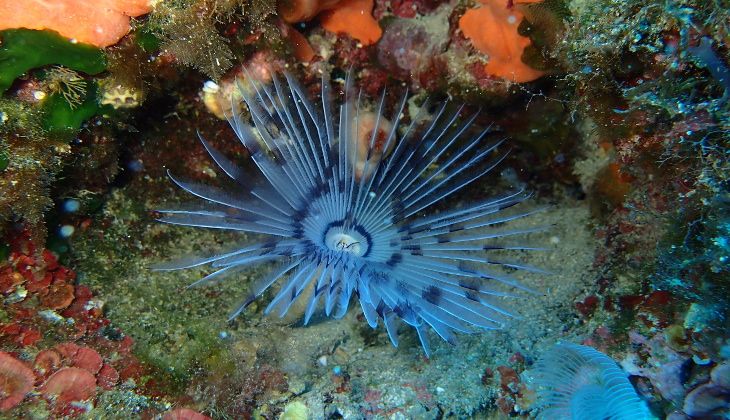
<point x="344" y="211"/>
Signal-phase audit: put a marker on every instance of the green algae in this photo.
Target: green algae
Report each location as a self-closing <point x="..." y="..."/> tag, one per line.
<point x="62" y="119"/>
<point x="4" y="160"/>
<point x="147" y="40"/>
<point x="25" y="49"/>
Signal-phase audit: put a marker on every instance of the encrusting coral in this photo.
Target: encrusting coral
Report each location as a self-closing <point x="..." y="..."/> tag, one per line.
<point x="492" y="29"/>
<point x="100" y="23"/>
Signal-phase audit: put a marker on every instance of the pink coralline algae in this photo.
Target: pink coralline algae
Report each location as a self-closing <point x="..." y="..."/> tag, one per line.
<point x="16" y="380"/>
<point x="184" y="414"/>
<point x="69" y="385"/>
<point x="88" y="359"/>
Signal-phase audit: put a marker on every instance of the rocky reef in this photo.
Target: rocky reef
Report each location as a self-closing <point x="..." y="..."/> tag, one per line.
<point x="617" y="115"/>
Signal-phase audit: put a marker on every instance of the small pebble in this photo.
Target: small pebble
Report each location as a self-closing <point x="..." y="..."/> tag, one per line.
<point x="71" y="205"/>
<point x="66" y="231"/>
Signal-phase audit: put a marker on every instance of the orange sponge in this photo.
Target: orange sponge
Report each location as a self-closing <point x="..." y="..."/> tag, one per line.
<point x="97" y="22"/>
<point x="355" y="18"/>
<point x="492" y="29"/>
<point x="294" y="11"/>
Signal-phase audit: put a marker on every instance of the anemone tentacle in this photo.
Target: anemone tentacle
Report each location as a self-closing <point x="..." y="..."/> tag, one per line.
<point x="346" y="220"/>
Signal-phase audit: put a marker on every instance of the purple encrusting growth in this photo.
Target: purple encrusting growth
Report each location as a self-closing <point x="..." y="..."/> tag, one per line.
<point x="338" y="234"/>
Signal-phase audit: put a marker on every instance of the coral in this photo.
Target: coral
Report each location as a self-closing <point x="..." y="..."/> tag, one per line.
<point x="374" y="246"/>
<point x="16" y="380"/>
<point x="353" y="17"/>
<point x="492" y="29"/>
<point x="579" y="382"/>
<point x="25" y="49"/>
<point x="99" y="23"/>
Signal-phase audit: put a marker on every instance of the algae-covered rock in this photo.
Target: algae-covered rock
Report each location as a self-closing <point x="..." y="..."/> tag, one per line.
<point x="295" y="410"/>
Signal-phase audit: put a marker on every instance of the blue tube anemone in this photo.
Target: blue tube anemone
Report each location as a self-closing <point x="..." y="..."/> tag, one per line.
<point x="341" y="203"/>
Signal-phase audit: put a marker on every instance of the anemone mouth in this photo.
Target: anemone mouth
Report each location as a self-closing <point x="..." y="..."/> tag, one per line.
<point x="353" y="239"/>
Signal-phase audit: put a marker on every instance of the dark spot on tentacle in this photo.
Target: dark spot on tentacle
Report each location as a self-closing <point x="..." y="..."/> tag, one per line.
<point x="432" y="294"/>
<point x="308" y="245"/>
<point x="456" y="228"/>
<point x="297" y="231"/>
<point x="300" y="214"/>
<point x="491" y="248"/>
<point x="395" y="259"/>
<point x="381" y="309"/>
<point x="319" y="290"/>
<point x="470" y="283"/>
<point x="380" y="278"/>
<point x="319" y="190"/>
<point x="471" y="295"/>
<point x="268" y="246"/>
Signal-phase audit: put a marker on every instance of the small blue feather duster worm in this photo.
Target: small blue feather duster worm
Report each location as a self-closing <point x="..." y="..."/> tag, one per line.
<point x="336" y="229"/>
<point x="580" y="383"/>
